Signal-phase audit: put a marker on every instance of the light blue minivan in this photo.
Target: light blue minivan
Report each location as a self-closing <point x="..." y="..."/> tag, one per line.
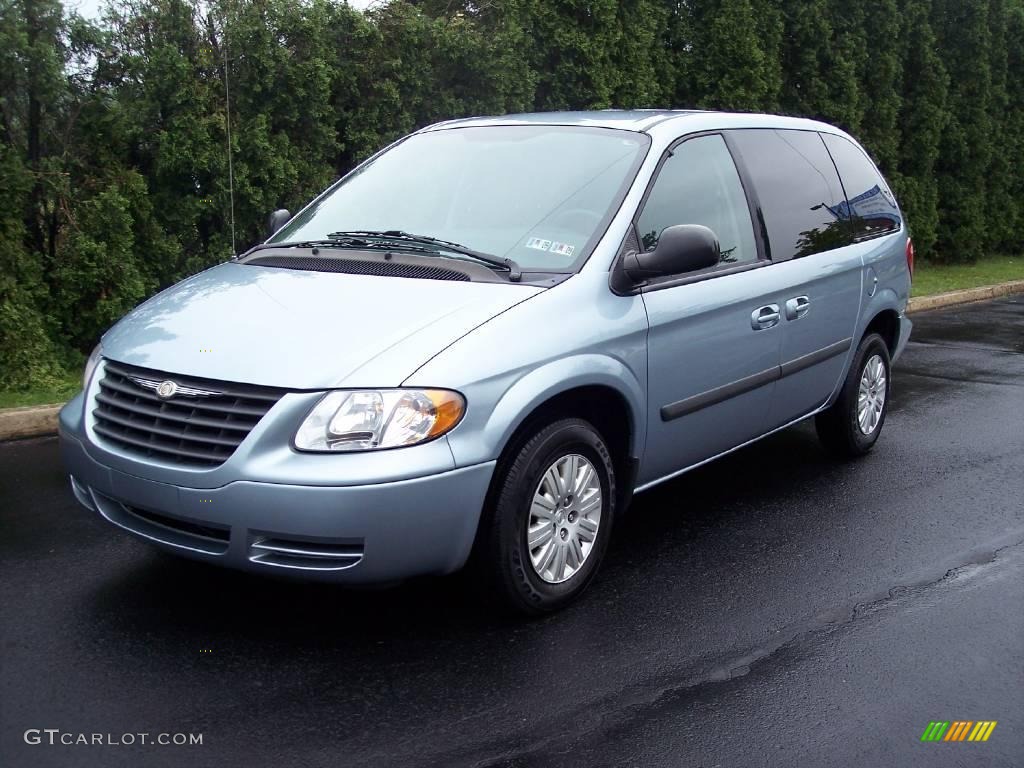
<point x="480" y="343"/>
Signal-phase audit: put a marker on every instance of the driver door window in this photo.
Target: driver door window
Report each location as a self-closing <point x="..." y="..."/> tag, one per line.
<point x="699" y="184"/>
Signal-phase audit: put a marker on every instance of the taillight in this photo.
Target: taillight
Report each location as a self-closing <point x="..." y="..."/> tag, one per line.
<point x="910" y="256"/>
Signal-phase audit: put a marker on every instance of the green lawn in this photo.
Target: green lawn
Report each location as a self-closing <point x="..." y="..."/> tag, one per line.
<point x="938" y="278"/>
<point x="928" y="279"/>
<point x="42" y="396"/>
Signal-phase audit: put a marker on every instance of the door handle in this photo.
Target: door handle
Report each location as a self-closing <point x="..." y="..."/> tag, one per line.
<point x="797" y="307"/>
<point x="764" y="317"/>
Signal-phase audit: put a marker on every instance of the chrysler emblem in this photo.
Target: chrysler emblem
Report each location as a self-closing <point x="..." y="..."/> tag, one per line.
<point x="166" y="389"/>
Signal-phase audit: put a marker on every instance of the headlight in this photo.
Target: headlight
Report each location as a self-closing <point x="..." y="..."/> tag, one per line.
<point x="90" y="365"/>
<point x="364" y="420"/>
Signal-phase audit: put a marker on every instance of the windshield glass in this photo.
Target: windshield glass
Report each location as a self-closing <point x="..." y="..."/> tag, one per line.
<point x="541" y="195"/>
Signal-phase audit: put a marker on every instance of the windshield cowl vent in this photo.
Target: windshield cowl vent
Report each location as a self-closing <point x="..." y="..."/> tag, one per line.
<point x="359" y="267"/>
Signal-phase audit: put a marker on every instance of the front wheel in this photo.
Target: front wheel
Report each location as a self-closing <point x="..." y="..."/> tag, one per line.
<point x="850" y="427"/>
<point x="549" y="524"/>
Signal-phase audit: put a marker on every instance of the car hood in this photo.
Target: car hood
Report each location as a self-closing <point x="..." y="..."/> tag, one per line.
<point x="303" y="330"/>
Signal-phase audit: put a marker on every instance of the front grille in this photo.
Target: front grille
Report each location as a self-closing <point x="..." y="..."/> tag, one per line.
<point x="185" y="429"/>
<point x="357" y="267"/>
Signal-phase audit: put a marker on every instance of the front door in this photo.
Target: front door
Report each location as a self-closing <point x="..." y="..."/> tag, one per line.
<point x="714" y="340"/>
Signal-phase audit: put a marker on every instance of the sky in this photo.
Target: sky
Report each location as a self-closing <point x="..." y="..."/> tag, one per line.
<point x="91" y="8"/>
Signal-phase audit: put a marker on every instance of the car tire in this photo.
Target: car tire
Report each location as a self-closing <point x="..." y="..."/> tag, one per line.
<point x="555" y="491"/>
<point x="850" y="427"/>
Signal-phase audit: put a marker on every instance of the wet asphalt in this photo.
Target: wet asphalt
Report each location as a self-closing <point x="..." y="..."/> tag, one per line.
<point x="774" y="608"/>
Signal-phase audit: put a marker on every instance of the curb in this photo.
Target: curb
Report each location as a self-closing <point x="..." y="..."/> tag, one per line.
<point x="33" y="421"/>
<point x="40" y="420"/>
<point x="939" y="300"/>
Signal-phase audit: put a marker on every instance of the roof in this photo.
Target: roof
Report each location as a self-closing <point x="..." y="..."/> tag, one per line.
<point x="626" y="119"/>
<point x="641" y="120"/>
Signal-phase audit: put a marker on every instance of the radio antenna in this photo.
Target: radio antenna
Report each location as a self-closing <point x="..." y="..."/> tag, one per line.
<point x="227" y="110"/>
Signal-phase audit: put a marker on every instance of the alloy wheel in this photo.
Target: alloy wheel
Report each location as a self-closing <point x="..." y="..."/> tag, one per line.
<point x="871" y="395"/>
<point x="564" y="518"/>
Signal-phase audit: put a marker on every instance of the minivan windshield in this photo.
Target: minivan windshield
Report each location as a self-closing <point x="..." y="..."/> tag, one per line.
<point x="541" y="195"/>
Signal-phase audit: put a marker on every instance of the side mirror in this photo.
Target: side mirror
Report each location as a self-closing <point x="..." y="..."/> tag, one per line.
<point x="681" y="248"/>
<point x="277" y="219"/>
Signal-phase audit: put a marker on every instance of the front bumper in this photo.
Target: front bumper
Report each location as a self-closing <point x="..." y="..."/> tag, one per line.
<point x="357" y="534"/>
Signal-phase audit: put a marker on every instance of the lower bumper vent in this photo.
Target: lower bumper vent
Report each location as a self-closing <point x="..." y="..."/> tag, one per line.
<point x="199" y="537"/>
<point x="307" y="555"/>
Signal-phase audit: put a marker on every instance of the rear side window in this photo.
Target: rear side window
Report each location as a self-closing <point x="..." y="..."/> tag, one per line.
<point x="699" y="184"/>
<point x="801" y="198"/>
<point x="872" y="207"/>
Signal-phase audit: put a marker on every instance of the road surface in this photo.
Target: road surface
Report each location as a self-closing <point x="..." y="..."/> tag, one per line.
<point x="775" y="608"/>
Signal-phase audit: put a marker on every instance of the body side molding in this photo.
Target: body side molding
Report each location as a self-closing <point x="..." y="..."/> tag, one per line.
<point x="718" y="394"/>
<point x="740" y="386"/>
<point x="813" y="358"/>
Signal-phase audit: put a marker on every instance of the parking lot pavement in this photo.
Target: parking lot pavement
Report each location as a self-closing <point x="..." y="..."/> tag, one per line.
<point x="776" y="607"/>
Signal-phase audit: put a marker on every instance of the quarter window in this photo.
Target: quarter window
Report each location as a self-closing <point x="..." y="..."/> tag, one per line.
<point x="872" y="207"/>
<point x="801" y="198"/>
<point x="699" y="184"/>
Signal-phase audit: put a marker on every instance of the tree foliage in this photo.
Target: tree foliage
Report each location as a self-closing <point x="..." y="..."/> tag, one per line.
<point x="963" y="29"/>
<point x="115" y="133"/>
<point x="922" y="122"/>
<point x="729" y="66"/>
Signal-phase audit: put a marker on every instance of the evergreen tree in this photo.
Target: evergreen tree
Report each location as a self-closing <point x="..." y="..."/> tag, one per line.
<point x="966" y="146"/>
<point x="1001" y="208"/>
<point x="922" y="120"/>
<point x="167" y="70"/>
<point x="807" y="37"/>
<point x="573" y="43"/>
<point x="881" y="79"/>
<point x="679" y="36"/>
<point x="823" y="54"/>
<point x="768" y="19"/>
<point x="281" y="70"/>
<point x="1013" y="122"/>
<point x="728" y="65"/>
<point x="32" y="113"/>
<point x="97" y="277"/>
<point x="845" y="63"/>
<point x="28" y="356"/>
<point x="642" y="63"/>
<point x="426" y="69"/>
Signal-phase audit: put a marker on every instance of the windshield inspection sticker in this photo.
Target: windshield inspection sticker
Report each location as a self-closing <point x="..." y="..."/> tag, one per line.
<point x="538" y="243"/>
<point x="562" y="249"/>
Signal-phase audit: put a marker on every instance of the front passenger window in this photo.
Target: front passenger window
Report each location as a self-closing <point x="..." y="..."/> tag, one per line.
<point x="699" y="184"/>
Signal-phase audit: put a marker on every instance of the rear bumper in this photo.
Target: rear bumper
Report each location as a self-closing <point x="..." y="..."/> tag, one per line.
<point x="905" y="328"/>
<point x="354" y="534"/>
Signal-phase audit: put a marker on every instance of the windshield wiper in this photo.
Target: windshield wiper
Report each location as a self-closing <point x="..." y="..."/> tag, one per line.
<point x="397" y="235"/>
<point x="338" y="242"/>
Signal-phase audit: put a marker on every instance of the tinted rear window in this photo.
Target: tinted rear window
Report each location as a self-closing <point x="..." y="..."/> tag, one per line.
<point x="801" y="198"/>
<point x="872" y="206"/>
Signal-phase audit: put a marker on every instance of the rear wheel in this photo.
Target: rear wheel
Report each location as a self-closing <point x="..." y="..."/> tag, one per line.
<point x="550" y="520"/>
<point x="851" y="426"/>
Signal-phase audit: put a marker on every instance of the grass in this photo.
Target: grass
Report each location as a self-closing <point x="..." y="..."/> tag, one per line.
<point x="60" y="392"/>
<point x="930" y="278"/>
